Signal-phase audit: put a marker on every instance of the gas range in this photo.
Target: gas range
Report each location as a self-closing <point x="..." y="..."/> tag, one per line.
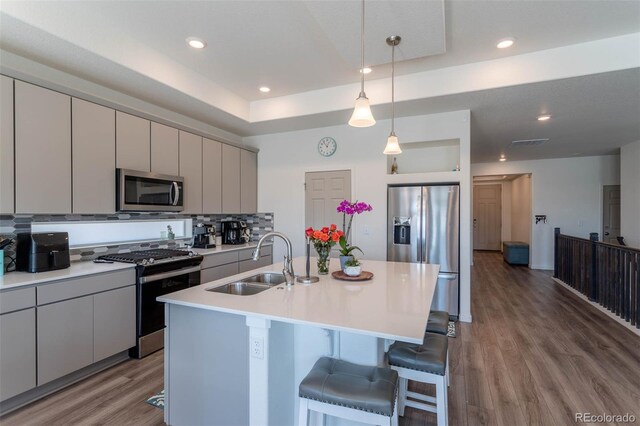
<point x="156" y="260"/>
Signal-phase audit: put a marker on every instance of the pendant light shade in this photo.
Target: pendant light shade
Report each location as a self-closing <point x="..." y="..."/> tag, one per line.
<point x="393" y="146"/>
<point x="362" y="116"/>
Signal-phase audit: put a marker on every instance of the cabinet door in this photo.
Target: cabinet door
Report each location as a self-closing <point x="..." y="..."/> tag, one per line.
<point x="164" y="149"/>
<point x="248" y="181"/>
<point x="218" y="272"/>
<point x="191" y="171"/>
<point x="94" y="157"/>
<point x="133" y="142"/>
<point x="230" y="179"/>
<point x="42" y="150"/>
<point x="6" y="145"/>
<point x="114" y="322"/>
<point x="17" y="353"/>
<point x="248" y="265"/>
<point x="65" y="338"/>
<point x="211" y="176"/>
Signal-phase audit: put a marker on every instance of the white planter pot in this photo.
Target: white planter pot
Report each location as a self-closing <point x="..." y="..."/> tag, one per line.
<point x="353" y="271"/>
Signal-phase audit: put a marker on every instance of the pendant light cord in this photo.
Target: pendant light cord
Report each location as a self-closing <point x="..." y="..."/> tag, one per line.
<point x="393" y="104"/>
<point x="362" y="52"/>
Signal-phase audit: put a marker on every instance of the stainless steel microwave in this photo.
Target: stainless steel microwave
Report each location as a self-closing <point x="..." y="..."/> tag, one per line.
<point x="148" y="192"/>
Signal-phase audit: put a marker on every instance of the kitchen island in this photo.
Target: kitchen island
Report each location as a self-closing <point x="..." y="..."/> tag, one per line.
<point x="232" y="359"/>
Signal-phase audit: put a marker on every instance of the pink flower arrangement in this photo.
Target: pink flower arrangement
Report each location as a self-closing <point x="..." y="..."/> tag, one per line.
<point x="347" y="208"/>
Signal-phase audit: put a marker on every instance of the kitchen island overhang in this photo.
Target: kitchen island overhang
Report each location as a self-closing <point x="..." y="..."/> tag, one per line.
<point x="233" y="359"/>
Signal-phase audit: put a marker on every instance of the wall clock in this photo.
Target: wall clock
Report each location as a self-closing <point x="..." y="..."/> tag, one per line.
<point x="327" y="146"/>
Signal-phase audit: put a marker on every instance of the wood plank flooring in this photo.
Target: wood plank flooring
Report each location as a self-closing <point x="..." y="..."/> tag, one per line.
<point x="535" y="355"/>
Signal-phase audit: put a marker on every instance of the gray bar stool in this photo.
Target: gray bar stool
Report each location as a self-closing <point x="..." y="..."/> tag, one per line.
<point x="438" y="322"/>
<point x="351" y="391"/>
<point x="426" y="363"/>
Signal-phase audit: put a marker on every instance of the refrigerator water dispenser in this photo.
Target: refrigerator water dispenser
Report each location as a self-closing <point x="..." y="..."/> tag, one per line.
<point x="401" y="230"/>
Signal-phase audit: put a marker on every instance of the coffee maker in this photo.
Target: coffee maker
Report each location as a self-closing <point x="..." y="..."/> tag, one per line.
<point x="204" y="236"/>
<point x="234" y="232"/>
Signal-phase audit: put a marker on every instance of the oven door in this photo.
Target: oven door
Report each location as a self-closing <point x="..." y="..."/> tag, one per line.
<point x="150" y="311"/>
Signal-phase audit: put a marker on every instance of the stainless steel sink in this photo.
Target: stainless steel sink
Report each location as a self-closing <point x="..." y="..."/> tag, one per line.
<point x="250" y="285"/>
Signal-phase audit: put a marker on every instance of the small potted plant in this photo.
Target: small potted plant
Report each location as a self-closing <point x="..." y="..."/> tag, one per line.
<point x="345" y="251"/>
<point x="352" y="267"/>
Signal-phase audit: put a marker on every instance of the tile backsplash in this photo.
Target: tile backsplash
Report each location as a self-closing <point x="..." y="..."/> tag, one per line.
<point x="10" y="225"/>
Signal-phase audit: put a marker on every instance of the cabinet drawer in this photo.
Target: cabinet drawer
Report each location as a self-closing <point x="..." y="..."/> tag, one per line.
<point x="69" y="289"/>
<point x="247" y="254"/>
<point x="218" y="272"/>
<point x="248" y="265"/>
<point x="14" y="300"/>
<point x="219" y="259"/>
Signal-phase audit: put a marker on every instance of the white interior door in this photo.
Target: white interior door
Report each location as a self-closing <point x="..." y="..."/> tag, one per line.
<point x="323" y="192"/>
<point x="611" y="213"/>
<point x="487" y="217"/>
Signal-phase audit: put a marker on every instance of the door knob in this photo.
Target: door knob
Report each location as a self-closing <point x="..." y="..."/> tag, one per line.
<point x="606" y="233"/>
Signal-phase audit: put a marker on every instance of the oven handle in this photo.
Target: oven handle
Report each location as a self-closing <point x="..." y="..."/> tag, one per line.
<point x="158" y="277"/>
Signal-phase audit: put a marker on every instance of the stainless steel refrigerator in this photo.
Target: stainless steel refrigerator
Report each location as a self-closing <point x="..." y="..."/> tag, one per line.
<point x="424" y="226"/>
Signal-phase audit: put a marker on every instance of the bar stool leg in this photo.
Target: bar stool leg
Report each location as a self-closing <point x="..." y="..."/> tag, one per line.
<point x="394" y="419"/>
<point x="303" y="414"/>
<point x="441" y="394"/>
<point x="403" y="386"/>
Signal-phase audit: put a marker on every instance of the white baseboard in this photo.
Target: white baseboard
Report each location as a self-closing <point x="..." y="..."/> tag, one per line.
<point x="600" y="308"/>
<point x="464" y="318"/>
<point x="543" y="267"/>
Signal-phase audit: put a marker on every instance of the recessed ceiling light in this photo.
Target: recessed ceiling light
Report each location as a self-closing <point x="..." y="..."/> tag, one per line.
<point x="196" y="43"/>
<point x="502" y="158"/>
<point x="505" y="42"/>
<point x="366" y="70"/>
<point x="504" y="177"/>
<point x="544" y="117"/>
<point x="265" y="89"/>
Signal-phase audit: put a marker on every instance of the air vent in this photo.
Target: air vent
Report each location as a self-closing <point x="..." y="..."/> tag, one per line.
<point x="529" y="142"/>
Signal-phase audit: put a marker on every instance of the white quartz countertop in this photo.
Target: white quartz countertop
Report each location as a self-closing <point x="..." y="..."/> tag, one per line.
<point x="12" y="280"/>
<point x="393" y="305"/>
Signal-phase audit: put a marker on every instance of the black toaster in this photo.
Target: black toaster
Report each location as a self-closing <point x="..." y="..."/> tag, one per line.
<point x="42" y="251"/>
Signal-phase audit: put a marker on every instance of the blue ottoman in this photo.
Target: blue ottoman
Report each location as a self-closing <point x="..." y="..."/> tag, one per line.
<point x="515" y="252"/>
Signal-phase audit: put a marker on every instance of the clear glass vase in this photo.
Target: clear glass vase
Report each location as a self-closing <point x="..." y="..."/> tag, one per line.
<point x="323" y="258"/>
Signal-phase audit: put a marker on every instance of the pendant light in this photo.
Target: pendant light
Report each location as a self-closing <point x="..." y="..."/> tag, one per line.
<point x="362" y="116"/>
<point x="393" y="147"/>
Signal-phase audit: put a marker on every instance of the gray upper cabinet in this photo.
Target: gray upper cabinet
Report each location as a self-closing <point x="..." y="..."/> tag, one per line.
<point x="42" y="150"/>
<point x="191" y="171"/>
<point x="65" y="338"/>
<point x="94" y="157"/>
<point x="211" y="176"/>
<point x="164" y="149"/>
<point x="133" y="142"/>
<point x="17" y="353"/>
<point x="230" y="179"/>
<point x="248" y="181"/>
<point x="6" y="145"/>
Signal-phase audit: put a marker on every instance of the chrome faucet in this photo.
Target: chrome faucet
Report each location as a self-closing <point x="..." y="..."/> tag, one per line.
<point x="287" y="271"/>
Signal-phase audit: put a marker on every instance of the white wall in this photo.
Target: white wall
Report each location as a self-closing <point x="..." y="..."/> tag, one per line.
<point x="630" y="193"/>
<point x="567" y="190"/>
<point x="521" y="209"/>
<point x="285" y="157"/>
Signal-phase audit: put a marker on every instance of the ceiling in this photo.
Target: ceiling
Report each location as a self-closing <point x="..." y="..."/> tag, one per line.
<point x="138" y="48"/>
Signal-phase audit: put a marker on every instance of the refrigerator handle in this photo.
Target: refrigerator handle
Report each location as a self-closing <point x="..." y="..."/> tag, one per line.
<point x="447" y="276"/>
<point x="420" y="226"/>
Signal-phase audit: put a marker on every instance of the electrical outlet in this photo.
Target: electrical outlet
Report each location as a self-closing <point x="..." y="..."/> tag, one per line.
<point x="257" y="347"/>
<point x="365" y="230"/>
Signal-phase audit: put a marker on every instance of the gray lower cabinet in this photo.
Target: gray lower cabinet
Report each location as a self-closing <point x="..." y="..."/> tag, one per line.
<point x="248" y="181"/>
<point x="42" y="150"/>
<point x="191" y="171"/>
<point x="17" y="353"/>
<point x="221" y="265"/>
<point x="230" y="179"/>
<point x="133" y="142"/>
<point x="65" y="338"/>
<point x="218" y="272"/>
<point x="93" y="131"/>
<point x="6" y="145"/>
<point x="248" y="265"/>
<point x="114" y="318"/>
